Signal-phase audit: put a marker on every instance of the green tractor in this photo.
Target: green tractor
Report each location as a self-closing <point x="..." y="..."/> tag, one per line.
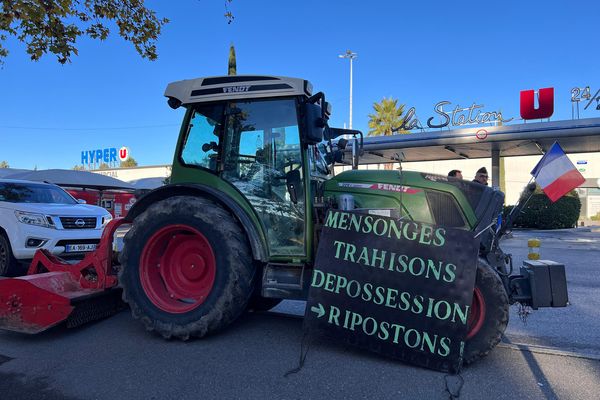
<point x="252" y="180"/>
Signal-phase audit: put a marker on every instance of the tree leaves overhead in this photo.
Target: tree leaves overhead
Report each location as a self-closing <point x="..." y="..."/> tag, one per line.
<point x="387" y="118"/>
<point x="228" y="14"/>
<point x="53" y="26"/>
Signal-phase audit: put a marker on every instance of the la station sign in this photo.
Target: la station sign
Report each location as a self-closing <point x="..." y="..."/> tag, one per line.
<point x="474" y="115"/>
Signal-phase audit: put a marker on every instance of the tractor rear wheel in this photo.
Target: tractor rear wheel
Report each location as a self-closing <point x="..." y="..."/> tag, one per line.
<point x="187" y="270"/>
<point x="488" y="316"/>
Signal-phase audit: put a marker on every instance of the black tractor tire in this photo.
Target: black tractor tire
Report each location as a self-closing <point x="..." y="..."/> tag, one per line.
<point x="8" y="264"/>
<point x="492" y="298"/>
<point x="219" y="245"/>
<point x="259" y="303"/>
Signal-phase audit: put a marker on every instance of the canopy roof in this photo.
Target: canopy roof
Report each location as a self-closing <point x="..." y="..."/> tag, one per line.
<point x="72" y="178"/>
<point x="147" y="183"/>
<point x="575" y="136"/>
<point x="6" y="172"/>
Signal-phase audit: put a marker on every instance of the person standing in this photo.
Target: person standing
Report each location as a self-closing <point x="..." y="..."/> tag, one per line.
<point x="455" y="173"/>
<point x="481" y="176"/>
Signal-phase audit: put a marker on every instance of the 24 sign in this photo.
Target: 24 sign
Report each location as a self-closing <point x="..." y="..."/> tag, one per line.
<point x="577" y="94"/>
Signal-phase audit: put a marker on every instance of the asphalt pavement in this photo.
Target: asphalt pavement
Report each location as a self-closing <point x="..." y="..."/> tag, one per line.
<point x="554" y="355"/>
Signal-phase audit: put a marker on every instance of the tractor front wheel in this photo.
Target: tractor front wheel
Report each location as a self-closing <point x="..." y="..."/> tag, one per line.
<point x="488" y="316"/>
<point x="187" y="270"/>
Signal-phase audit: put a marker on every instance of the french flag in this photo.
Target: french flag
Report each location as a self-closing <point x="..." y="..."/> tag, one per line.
<point x="556" y="174"/>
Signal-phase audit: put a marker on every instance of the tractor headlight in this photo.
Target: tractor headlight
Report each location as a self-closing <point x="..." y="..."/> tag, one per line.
<point x="32" y="218"/>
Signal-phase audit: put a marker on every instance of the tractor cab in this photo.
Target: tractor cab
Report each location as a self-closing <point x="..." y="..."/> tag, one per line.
<point x="260" y="140"/>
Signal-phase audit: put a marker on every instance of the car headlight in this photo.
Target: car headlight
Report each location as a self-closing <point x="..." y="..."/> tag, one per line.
<point x="106" y="219"/>
<point x="32" y="218"/>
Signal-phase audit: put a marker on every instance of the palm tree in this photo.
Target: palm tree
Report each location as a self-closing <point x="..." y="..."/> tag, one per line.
<point x="387" y="117"/>
<point x="386" y="120"/>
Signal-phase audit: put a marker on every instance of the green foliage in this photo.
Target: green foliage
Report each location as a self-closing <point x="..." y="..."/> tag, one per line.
<point x="232" y="67"/>
<point x="595" y="217"/>
<point x="78" y="168"/>
<point x="103" y="166"/>
<point x="4" y="164"/>
<point x="53" y="26"/>
<point x="129" y="163"/>
<point x="540" y="213"/>
<point x="387" y="117"/>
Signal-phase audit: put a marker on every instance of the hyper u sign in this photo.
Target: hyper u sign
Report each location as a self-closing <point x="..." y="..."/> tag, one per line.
<point x="108" y="155"/>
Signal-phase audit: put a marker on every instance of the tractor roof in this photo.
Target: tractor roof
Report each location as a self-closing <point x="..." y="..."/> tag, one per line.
<point x="235" y="87"/>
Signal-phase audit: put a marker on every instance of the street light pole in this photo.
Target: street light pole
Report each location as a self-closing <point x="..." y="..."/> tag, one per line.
<point x="350" y="55"/>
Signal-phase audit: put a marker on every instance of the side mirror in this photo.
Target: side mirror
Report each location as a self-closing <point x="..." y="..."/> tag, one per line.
<point x="314" y="123"/>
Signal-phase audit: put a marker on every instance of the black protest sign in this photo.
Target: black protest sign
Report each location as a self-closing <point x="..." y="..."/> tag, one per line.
<point x="396" y="287"/>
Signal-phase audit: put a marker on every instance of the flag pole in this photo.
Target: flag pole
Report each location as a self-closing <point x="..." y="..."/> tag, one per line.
<point x="508" y="223"/>
<point x="530" y="194"/>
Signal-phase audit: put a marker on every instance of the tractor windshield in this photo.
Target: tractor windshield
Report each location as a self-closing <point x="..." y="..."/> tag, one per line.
<point x="262" y="157"/>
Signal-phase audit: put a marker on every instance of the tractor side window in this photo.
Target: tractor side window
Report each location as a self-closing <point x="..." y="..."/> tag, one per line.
<point x="262" y="158"/>
<point x="201" y="144"/>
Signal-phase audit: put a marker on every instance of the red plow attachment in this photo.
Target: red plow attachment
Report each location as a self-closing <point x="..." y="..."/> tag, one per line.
<point x="54" y="291"/>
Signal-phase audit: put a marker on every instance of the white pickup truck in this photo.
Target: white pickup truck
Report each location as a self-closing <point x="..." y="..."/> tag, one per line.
<point x="36" y="216"/>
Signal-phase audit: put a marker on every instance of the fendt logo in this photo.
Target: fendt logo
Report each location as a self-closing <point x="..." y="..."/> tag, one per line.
<point x="236" y="89"/>
<point x="545" y="104"/>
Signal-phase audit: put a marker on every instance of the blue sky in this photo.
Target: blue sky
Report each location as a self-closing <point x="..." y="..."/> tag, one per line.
<point x="418" y="52"/>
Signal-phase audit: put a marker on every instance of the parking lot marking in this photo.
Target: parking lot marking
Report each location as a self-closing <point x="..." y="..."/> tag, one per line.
<point x="548" y="350"/>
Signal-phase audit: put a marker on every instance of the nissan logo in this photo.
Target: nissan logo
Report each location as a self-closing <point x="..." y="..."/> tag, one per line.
<point x="80" y="223"/>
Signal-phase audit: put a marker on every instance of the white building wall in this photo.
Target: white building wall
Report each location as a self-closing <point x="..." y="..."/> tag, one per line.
<point x="130" y="174"/>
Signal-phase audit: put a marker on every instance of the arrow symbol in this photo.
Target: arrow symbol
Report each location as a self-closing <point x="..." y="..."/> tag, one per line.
<point x="320" y="311"/>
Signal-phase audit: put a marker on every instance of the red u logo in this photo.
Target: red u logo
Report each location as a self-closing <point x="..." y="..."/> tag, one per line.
<point x="123" y="153"/>
<point x="546" y="104"/>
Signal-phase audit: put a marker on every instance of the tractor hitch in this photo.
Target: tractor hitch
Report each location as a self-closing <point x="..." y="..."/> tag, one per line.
<point x="54" y="291"/>
<point x="541" y="283"/>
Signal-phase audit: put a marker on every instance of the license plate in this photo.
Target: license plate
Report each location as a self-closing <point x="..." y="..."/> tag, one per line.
<point x="78" y="248"/>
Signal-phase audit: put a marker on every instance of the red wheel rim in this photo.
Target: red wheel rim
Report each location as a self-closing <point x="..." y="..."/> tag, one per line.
<point x="177" y="268"/>
<point x="477" y="314"/>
